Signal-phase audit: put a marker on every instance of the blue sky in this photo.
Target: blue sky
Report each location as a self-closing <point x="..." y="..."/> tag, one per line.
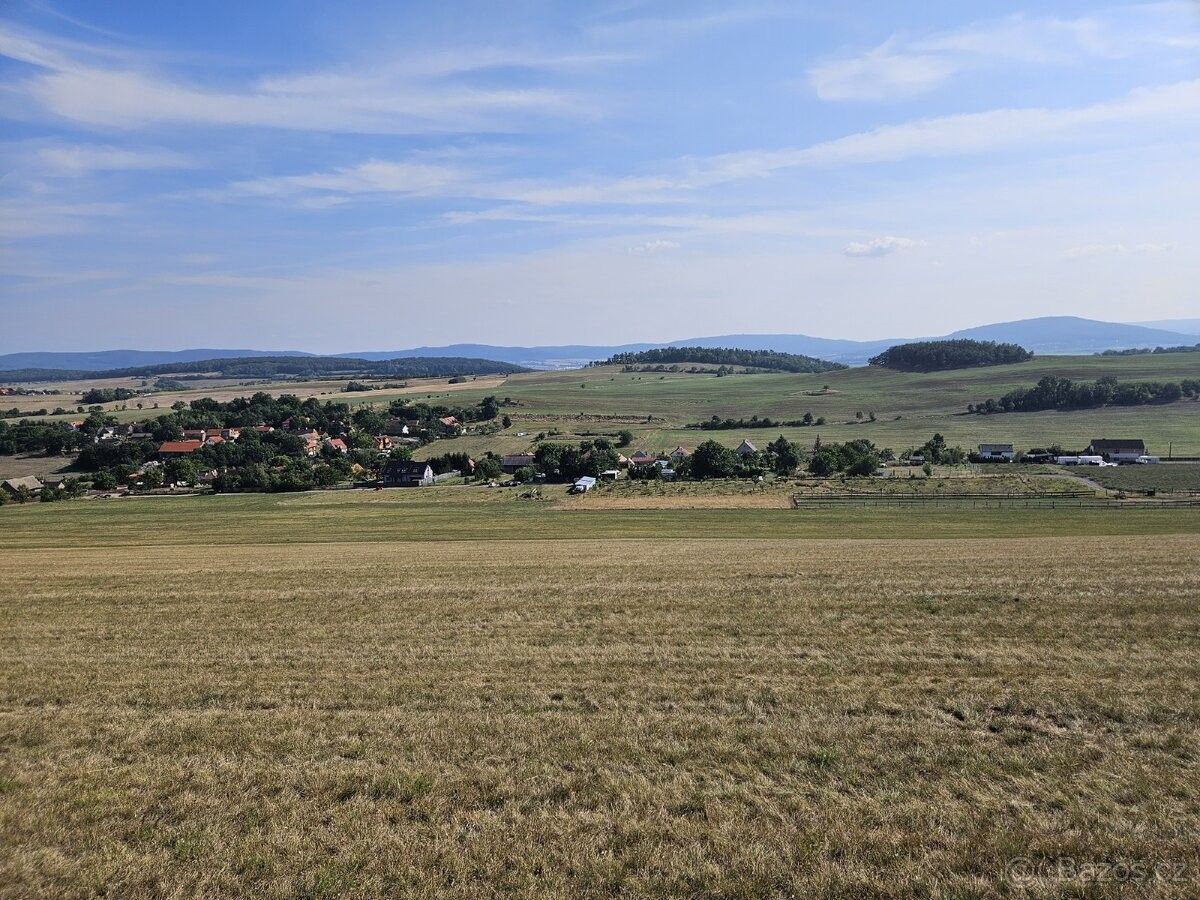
<point x="335" y="177"/>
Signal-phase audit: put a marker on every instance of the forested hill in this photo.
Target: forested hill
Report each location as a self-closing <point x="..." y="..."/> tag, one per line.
<point x="293" y="366"/>
<point x="936" y="356"/>
<point x="725" y="356"/>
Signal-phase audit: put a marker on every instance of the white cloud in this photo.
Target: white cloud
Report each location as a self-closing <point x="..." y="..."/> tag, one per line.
<point x="19" y="219"/>
<point x="879" y="74"/>
<point x="1172" y="105"/>
<point x="655" y="246"/>
<point x="907" y="65"/>
<point x="81" y="159"/>
<point x="416" y="96"/>
<point x="371" y="177"/>
<point x="880" y="246"/>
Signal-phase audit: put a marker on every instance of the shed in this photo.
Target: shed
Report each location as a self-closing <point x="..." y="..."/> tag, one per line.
<point x="583" y="485"/>
<point x="29" y="482"/>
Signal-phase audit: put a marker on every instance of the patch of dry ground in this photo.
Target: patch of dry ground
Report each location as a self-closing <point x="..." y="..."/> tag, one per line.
<point x="738" y="718"/>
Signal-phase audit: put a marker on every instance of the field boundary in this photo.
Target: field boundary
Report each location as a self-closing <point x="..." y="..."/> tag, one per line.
<point x="978" y="500"/>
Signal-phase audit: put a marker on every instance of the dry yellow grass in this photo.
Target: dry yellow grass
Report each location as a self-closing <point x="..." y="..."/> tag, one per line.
<point x="738" y="718"/>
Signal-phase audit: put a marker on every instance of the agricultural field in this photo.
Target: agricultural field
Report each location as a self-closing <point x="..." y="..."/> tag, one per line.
<point x="1163" y="478"/>
<point x="457" y="692"/>
<point x="908" y="407"/>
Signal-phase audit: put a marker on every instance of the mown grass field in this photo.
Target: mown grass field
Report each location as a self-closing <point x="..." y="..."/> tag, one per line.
<point x="1166" y="477"/>
<point x="453" y="692"/>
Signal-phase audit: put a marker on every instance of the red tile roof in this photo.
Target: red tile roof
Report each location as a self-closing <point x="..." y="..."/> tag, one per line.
<point x="180" y="447"/>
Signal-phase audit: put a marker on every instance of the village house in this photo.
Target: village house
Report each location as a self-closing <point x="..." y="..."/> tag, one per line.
<point x="642" y="458"/>
<point x="382" y="442"/>
<point x="179" y="448"/>
<point x="14" y="486"/>
<point x="996" y="452"/>
<point x="1117" y="451"/>
<point x="312" y="442"/>
<point x="396" y="427"/>
<point x="406" y="473"/>
<point x="679" y="453"/>
<point x="195" y="434"/>
<point x="337" y="445"/>
<point x="513" y="461"/>
<point x="745" y="448"/>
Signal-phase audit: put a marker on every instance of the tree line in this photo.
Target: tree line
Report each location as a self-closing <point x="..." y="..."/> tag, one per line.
<point x="729" y="424"/>
<point x="1057" y="392"/>
<point x="1139" y="351"/>
<point x="292" y="366"/>
<point x="936" y="356"/>
<point x="725" y="356"/>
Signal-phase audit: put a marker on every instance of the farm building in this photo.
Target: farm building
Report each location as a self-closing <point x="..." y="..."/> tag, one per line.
<point x="996" y="452"/>
<point x="179" y="448"/>
<point x="13" y="486"/>
<point x="642" y="458"/>
<point x="745" y="448"/>
<point x="513" y="461"/>
<point x="680" y="453"/>
<point x="406" y="473"/>
<point x="1118" y="451"/>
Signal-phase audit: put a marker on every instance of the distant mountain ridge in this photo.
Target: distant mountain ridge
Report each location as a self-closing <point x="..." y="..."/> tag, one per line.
<point x="1046" y="335"/>
<point x="102" y="360"/>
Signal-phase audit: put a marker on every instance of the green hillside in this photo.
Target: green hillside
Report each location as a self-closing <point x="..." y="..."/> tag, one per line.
<point x="908" y="406"/>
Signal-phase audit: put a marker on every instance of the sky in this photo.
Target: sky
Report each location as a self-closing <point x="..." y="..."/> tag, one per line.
<point x="334" y="177"/>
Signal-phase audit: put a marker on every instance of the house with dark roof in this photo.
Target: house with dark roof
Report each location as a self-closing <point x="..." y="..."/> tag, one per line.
<point x="513" y="461"/>
<point x="1117" y="450"/>
<point x="642" y="458"/>
<point x="406" y="473"/>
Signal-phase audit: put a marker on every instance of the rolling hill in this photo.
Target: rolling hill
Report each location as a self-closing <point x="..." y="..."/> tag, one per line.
<point x="1046" y="334"/>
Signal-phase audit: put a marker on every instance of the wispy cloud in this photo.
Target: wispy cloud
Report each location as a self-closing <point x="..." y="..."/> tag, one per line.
<point x="655" y="246"/>
<point x="880" y="246"/>
<point x="1173" y="105"/>
<point x="82" y="159"/>
<point x="90" y="87"/>
<point x="906" y="65"/>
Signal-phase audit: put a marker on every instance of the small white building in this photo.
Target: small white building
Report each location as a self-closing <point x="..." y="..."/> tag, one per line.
<point x="996" y="452"/>
<point x="583" y="485"/>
